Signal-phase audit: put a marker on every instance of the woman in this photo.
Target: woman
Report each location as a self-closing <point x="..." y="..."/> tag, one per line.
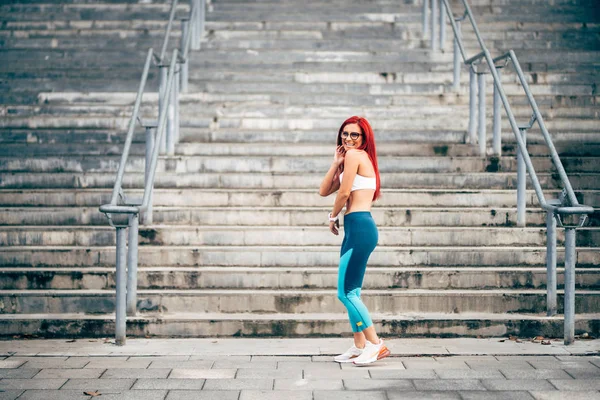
<point x="355" y="174"/>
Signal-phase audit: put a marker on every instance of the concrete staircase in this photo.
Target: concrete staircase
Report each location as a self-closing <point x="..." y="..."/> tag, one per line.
<point x="239" y="244"/>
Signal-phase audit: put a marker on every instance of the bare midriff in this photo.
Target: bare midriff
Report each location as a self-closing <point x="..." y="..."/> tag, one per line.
<point x="362" y="199"/>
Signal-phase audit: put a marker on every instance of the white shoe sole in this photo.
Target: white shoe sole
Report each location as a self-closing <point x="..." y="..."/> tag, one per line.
<point x="383" y="353"/>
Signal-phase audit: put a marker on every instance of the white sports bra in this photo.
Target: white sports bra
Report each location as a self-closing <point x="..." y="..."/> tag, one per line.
<point x="362" y="182"/>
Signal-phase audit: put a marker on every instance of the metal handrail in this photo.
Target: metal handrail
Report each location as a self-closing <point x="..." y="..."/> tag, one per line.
<point x="568" y="204"/>
<point x="167" y="125"/>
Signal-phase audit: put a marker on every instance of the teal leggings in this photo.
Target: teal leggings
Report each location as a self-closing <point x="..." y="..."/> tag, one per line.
<point x="360" y="239"/>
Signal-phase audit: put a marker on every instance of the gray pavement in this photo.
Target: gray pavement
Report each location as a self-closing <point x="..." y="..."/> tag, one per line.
<point x="247" y="369"/>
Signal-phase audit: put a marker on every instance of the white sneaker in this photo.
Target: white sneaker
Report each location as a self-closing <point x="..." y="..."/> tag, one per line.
<point x="371" y="353"/>
<point x="350" y="355"/>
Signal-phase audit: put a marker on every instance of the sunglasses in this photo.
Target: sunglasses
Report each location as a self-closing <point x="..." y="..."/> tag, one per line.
<point x="353" y="135"/>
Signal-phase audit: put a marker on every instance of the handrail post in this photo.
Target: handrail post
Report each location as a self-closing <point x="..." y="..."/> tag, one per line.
<point x="185" y="27"/>
<point x="456" y="80"/>
<point x="172" y="117"/>
<point x="434" y="16"/>
<point x="481" y="123"/>
<point x="201" y="18"/>
<point x="132" y="261"/>
<point x="121" y="277"/>
<point x="150" y="143"/>
<point x="497" y="129"/>
<point x="176" y="90"/>
<point x="425" y="18"/>
<point x="472" y="104"/>
<point x="551" y="303"/>
<point x="521" y="182"/>
<point x="195" y="25"/>
<point x="442" y="24"/>
<point x="162" y="101"/>
<point x="569" y="301"/>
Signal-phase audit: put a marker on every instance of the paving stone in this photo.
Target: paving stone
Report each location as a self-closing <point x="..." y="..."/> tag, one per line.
<point x="70" y="373"/>
<point x="214" y="358"/>
<point x="269" y="373"/>
<point x="10" y="394"/>
<point x="322" y="358"/>
<point x="580" y="373"/>
<point x="469" y="374"/>
<point x="53" y="395"/>
<point x="356" y="373"/>
<point x="502" y="395"/>
<point x="595" y="361"/>
<point x="199" y="364"/>
<point x="516" y="384"/>
<point x="560" y="395"/>
<point x="275" y="395"/>
<point x="429" y="363"/>
<point x="181" y="384"/>
<point x="169" y="358"/>
<point x="306" y="359"/>
<point x="321" y="367"/>
<point x="499" y="365"/>
<point x="203" y="374"/>
<point x="308" y="384"/>
<point x="52" y="362"/>
<point x="402" y="374"/>
<point x="558" y="364"/>
<point x="22" y="373"/>
<point x="394" y="365"/>
<point x="12" y="363"/>
<point x="11" y="383"/>
<point x="345" y="395"/>
<point x="120" y="373"/>
<point x="98" y="384"/>
<point x="448" y="384"/>
<point x="536" y="374"/>
<point x="378" y="384"/>
<point x="203" y="395"/>
<point x="135" y="395"/>
<point x="238" y="384"/>
<point x="579" y="358"/>
<point x="228" y="364"/>
<point x="576" y="384"/>
<point x="131" y="363"/>
<point x="424" y="395"/>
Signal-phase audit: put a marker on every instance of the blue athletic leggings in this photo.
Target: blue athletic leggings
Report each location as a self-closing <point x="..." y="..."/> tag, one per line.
<point x="360" y="239"/>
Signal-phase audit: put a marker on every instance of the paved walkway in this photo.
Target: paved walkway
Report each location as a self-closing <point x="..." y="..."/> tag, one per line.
<point x="247" y="369"/>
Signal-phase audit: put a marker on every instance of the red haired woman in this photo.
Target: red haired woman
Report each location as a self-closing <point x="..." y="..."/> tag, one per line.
<point x="355" y="174"/>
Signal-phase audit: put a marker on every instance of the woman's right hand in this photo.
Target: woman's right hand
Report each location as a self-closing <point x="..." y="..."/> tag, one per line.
<point x="339" y="154"/>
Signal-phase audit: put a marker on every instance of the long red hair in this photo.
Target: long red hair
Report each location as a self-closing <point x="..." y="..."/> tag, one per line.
<point x="368" y="145"/>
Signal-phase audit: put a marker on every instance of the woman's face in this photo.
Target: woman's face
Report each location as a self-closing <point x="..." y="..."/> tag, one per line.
<point x="352" y="137"/>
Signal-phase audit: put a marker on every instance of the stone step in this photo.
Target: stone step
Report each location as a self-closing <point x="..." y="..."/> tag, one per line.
<point x="64" y="147"/>
<point x="287" y="57"/>
<point x="286" y="256"/>
<point x="280" y="216"/>
<point x="421" y="324"/>
<point x="288" y="198"/>
<point x="295" y="40"/>
<point x="287" y="278"/>
<point x="289" y="301"/>
<point x="287" y="236"/>
<point x="282" y="164"/>
<point x="441" y="123"/>
<point x="502" y="27"/>
<point x="280" y="181"/>
<point x="273" y="99"/>
<point x="18" y="80"/>
<point x="189" y="110"/>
